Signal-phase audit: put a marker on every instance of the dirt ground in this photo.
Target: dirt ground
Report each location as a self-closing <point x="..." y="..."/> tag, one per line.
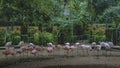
<point x="68" y="62"/>
<point x="62" y="59"/>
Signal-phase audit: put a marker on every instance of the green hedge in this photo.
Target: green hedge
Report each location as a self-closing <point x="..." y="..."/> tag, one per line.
<point x="43" y="38"/>
<point x="2" y="37"/>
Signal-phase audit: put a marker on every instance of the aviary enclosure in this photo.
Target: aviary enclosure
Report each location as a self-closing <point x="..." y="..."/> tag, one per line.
<point x="59" y="34"/>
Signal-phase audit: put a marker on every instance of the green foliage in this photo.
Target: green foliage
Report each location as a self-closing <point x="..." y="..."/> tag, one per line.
<point x="112" y="15"/>
<point x="46" y="37"/>
<point x="100" y="5"/>
<point x="2" y="33"/>
<point x="2" y="37"/>
<point x="13" y="36"/>
<point x="16" y="39"/>
<point x="99" y="38"/>
<point x="32" y="31"/>
<point x="64" y="13"/>
<point x="36" y="38"/>
<point x="65" y="33"/>
<point x="98" y="32"/>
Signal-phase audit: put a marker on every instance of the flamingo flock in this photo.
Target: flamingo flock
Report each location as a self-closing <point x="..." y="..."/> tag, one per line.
<point x="32" y="49"/>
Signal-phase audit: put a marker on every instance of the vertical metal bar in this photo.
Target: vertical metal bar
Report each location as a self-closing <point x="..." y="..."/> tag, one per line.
<point x="116" y="39"/>
<point x="91" y="38"/>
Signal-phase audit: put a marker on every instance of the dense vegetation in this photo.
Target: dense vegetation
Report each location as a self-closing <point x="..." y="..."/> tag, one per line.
<point x="58" y="21"/>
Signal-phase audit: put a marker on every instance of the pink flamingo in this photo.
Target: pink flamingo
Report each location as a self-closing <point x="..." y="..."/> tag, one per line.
<point x="72" y="48"/>
<point x="34" y="52"/>
<point x="66" y="48"/>
<point x="19" y="51"/>
<point x="51" y="45"/>
<point x="49" y="50"/>
<point x="39" y="48"/>
<point x="13" y="52"/>
<point x="6" y="52"/>
<point x="59" y="47"/>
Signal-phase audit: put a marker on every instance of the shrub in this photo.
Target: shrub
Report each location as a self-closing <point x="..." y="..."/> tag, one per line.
<point x="14" y="37"/>
<point x="99" y="38"/>
<point x="36" y="38"/>
<point x="65" y="34"/>
<point x="44" y="37"/>
<point x="2" y="37"/>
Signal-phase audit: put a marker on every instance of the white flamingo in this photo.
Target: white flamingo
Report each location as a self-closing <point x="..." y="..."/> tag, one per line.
<point x="8" y="45"/>
<point x="107" y="46"/>
<point x="21" y="43"/>
<point x="86" y="48"/>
